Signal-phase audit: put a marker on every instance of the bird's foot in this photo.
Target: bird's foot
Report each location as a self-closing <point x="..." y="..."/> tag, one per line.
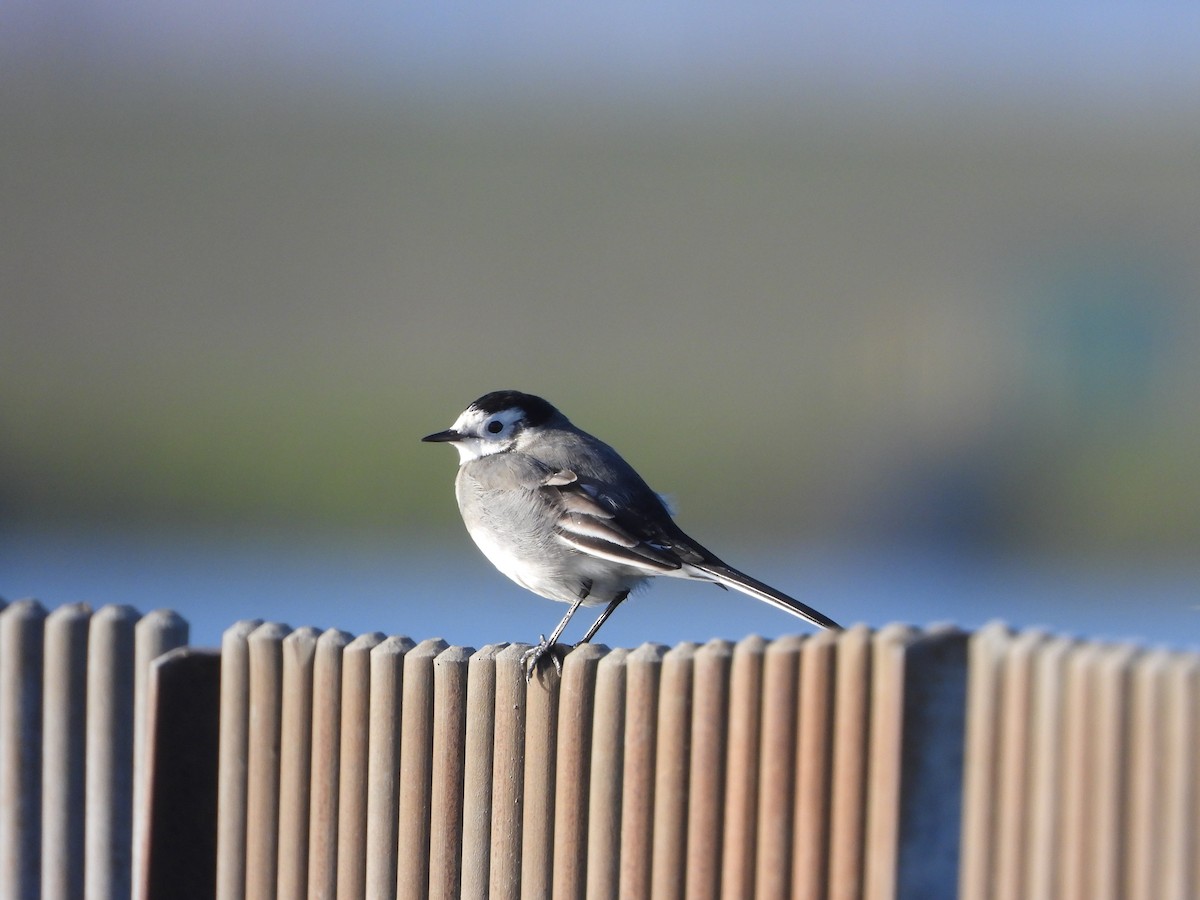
<point x="540" y="654"/>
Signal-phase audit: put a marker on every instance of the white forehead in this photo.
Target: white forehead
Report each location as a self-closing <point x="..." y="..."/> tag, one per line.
<point x="477" y="441"/>
<point x="472" y="420"/>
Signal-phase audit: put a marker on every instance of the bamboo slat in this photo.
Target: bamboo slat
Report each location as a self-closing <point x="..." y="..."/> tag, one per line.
<point x="233" y="758"/>
<point x="673" y="754"/>
<point x="325" y="778"/>
<point x="63" y="751"/>
<point x="508" y="774"/>
<point x="383" y="765"/>
<point x="479" y="747"/>
<point x="22" y="628"/>
<point x="295" y="761"/>
<point x="446" y="801"/>
<point x="354" y="765"/>
<point x="416" y="770"/>
<point x="108" y="819"/>
<point x="265" y="645"/>
<point x="604" y="790"/>
<point x="643" y="678"/>
<point x="739" y="849"/>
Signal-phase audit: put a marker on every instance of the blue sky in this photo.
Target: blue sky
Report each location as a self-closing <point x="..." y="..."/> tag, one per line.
<point x="1112" y="52"/>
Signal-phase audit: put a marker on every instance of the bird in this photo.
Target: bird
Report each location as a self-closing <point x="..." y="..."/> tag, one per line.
<point x="563" y="515"/>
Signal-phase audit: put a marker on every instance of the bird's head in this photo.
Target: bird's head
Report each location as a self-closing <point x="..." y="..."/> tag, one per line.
<point x="494" y="423"/>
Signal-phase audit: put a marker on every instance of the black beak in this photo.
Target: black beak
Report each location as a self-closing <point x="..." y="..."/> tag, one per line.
<point x="447" y="436"/>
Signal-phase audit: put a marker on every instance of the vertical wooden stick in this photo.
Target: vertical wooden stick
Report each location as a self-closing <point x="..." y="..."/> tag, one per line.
<point x="233" y="755"/>
<point x="1011" y="798"/>
<point x="22" y="627"/>
<point x="63" y="751"/>
<point x="604" y="792"/>
<point x="155" y="633"/>
<point x="1047" y="789"/>
<point x="416" y="771"/>
<point x="741" y="776"/>
<point x="262" y="767"/>
<point x="777" y="767"/>
<point x="671" y="772"/>
<point x="383" y="765"/>
<point x="984" y="702"/>
<point x="184" y="717"/>
<point x="928" y="824"/>
<point x="1078" y="752"/>
<point x="884" y="761"/>
<point x="108" y="863"/>
<point x="851" y="731"/>
<point x="814" y="765"/>
<point x="354" y="766"/>
<point x="326" y="764"/>
<point x="295" y="761"/>
<point x="643" y="676"/>
<point x="537" y="829"/>
<point x="1180" y="853"/>
<point x="479" y="746"/>
<point x="706" y="770"/>
<point x="573" y="762"/>
<point x="449" y="743"/>
<point x="1106" y="847"/>
<point x="508" y="774"/>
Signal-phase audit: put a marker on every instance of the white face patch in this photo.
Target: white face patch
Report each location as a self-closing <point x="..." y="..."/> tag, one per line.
<point x="485" y="433"/>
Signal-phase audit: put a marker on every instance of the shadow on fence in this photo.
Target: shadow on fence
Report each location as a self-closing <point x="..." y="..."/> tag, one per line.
<point x="293" y="763"/>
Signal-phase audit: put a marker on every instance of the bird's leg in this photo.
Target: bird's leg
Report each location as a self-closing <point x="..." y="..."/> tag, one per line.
<point x="608" y="611"/>
<point x="534" y="654"/>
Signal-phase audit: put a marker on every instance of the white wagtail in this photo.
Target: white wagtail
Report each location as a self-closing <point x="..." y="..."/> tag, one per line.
<point x="563" y="515"/>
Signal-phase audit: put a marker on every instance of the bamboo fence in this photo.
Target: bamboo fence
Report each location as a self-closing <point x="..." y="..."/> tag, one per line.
<point x="897" y="763"/>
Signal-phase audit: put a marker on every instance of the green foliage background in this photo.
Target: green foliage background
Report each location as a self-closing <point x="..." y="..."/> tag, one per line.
<point x="247" y="307"/>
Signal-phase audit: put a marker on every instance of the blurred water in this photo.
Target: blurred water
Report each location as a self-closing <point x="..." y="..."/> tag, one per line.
<point x="394" y="584"/>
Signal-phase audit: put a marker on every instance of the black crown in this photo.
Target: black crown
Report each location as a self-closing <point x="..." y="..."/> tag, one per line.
<point x="537" y="411"/>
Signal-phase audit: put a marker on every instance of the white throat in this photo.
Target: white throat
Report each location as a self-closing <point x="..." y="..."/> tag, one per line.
<point x="478" y="440"/>
<point x="473" y="448"/>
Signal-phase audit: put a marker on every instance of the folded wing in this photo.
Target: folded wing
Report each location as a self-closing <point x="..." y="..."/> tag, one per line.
<point x="638" y="532"/>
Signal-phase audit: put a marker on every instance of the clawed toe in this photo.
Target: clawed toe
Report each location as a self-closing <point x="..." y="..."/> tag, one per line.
<point x="537" y="656"/>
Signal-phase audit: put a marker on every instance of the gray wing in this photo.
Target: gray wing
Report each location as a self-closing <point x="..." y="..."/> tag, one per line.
<point x="633" y="528"/>
<point x="636" y="530"/>
<point x="604" y="509"/>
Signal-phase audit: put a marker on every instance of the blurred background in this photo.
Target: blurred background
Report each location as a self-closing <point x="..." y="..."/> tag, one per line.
<point x="898" y="304"/>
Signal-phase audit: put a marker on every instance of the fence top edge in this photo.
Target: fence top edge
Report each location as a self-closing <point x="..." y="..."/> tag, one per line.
<point x="176" y="654"/>
<point x="269" y="631"/>
<point x="615" y="657"/>
<point x="489" y="652"/>
<point x="333" y="638"/>
<point x="393" y="645"/>
<point x="366" y="642"/>
<point x="116" y="613"/>
<point x="23" y="610"/>
<point x="512" y="652"/>
<point x="69" y="611"/>
<point x="716" y="647"/>
<point x="649" y="652"/>
<point x="454" y="655"/>
<point x="996" y="634"/>
<point x="681" y="652"/>
<point x="240" y="630"/>
<point x="428" y="648"/>
<point x="162" y="618"/>
<point x="751" y="643"/>
<point x="305" y="634"/>
<point x="589" y="651"/>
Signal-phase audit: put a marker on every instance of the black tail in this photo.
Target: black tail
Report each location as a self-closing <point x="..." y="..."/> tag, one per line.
<point x="727" y="576"/>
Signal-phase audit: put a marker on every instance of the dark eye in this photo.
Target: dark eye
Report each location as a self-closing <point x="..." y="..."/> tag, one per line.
<point x="495" y="426"/>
